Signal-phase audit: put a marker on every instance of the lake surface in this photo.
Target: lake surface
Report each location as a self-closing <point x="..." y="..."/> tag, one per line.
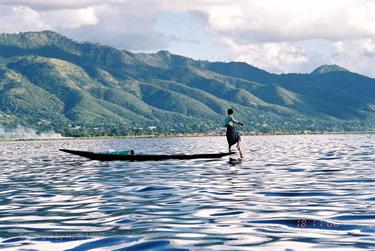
<point x="290" y="193"/>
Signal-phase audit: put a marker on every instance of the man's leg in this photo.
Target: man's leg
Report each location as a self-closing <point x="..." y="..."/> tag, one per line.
<point x="239" y="149"/>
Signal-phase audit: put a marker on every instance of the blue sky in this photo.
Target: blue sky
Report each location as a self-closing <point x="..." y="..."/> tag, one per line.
<point x="278" y="36"/>
<point x="187" y="35"/>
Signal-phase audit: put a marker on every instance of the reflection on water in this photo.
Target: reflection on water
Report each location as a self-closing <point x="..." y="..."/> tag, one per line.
<point x="298" y="192"/>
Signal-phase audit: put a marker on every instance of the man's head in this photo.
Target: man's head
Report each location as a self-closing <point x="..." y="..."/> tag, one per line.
<point x="230" y="111"/>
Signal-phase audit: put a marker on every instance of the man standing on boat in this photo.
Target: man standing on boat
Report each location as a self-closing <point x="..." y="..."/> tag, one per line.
<point x="233" y="136"/>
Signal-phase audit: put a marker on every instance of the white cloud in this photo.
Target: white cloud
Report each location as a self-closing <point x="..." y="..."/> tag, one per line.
<point x="23" y="18"/>
<point x="289" y="20"/>
<point x="272" y="34"/>
<point x="276" y="35"/>
<point x="276" y="57"/>
<point x="356" y="55"/>
<point x="281" y="57"/>
<point x="70" y="18"/>
<point x="57" y="4"/>
<point x="123" y="24"/>
<point x="20" y="18"/>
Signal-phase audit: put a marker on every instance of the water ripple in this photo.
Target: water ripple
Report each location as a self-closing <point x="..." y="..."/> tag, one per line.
<point x="297" y="192"/>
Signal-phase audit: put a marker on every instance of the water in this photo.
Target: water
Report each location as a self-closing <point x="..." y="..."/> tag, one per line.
<point x="290" y="193"/>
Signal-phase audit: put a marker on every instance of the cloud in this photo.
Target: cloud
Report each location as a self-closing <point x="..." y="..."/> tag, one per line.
<point x="122" y="24"/>
<point x="57" y="4"/>
<point x="357" y="55"/>
<point x="279" y="36"/>
<point x="276" y="57"/>
<point x="289" y="20"/>
<point x="23" y="18"/>
<point x="70" y="18"/>
<point x="292" y="35"/>
<point x="244" y="21"/>
<point x="125" y="26"/>
<point x="20" y="18"/>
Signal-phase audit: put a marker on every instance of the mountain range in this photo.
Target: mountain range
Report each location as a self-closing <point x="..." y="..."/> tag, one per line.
<point x="51" y="82"/>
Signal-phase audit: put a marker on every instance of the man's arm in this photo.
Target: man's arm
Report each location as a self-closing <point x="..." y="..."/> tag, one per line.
<point x="236" y="122"/>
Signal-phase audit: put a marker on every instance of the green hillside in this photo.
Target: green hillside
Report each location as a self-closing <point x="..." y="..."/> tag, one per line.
<point x="50" y="82"/>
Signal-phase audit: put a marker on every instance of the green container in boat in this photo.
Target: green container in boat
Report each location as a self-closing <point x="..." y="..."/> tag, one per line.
<point x="129" y="152"/>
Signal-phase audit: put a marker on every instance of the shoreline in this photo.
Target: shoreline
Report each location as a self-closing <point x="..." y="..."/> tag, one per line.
<point x="176" y="135"/>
